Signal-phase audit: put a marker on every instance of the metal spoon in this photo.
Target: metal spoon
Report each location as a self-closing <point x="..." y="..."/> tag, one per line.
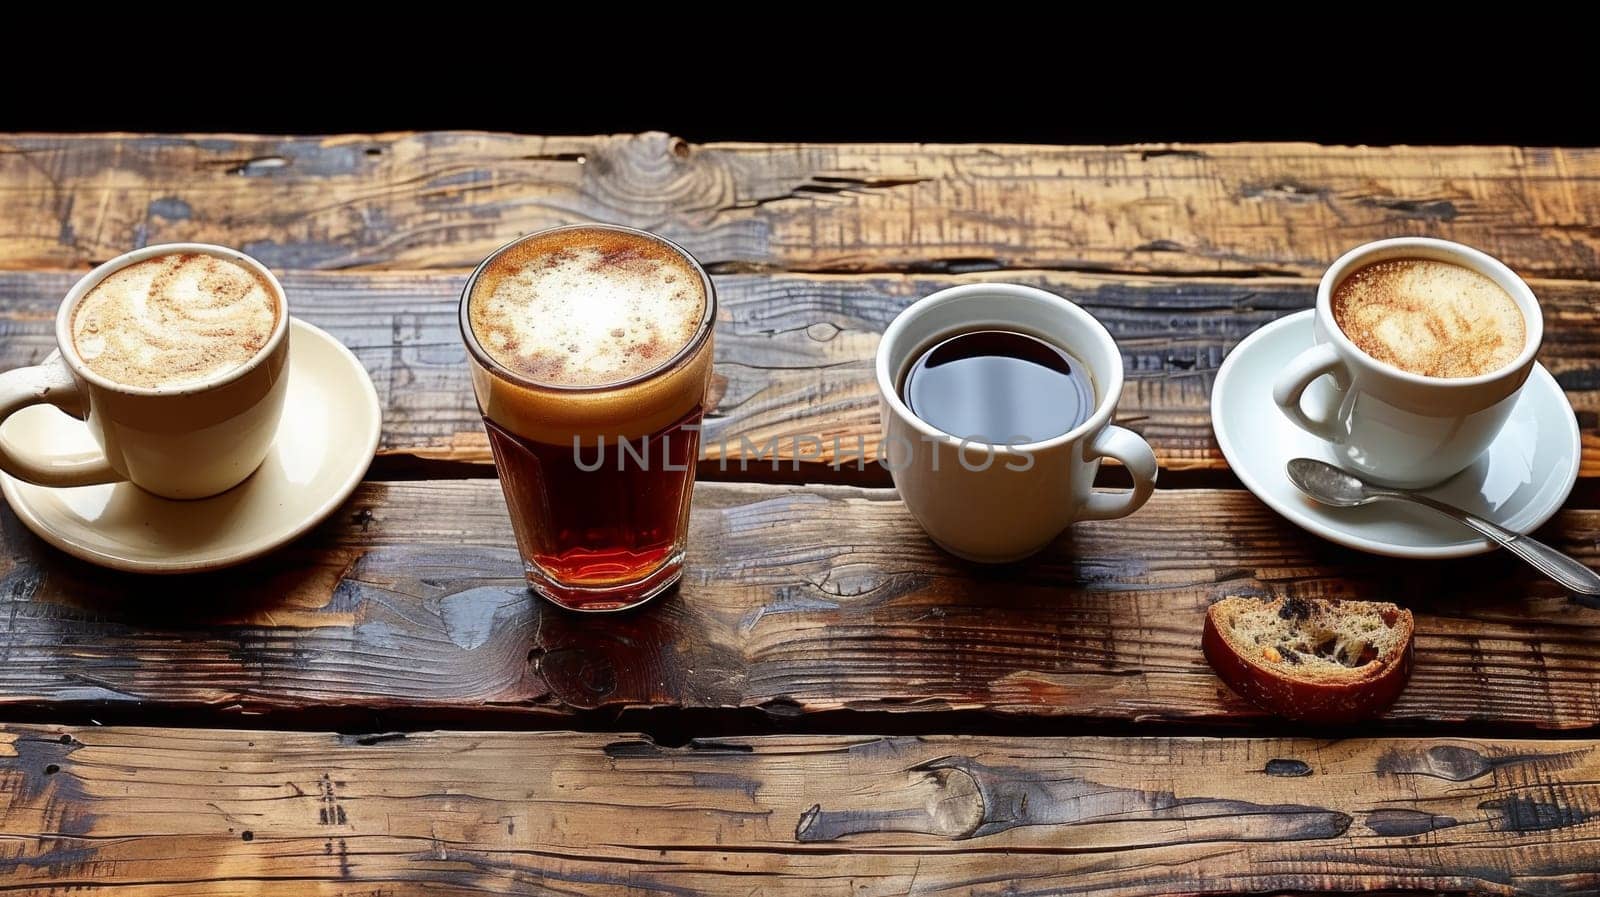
<point x="1332" y="486"/>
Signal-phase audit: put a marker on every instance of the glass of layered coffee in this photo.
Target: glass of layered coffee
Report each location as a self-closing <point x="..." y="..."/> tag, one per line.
<point x="590" y="348"/>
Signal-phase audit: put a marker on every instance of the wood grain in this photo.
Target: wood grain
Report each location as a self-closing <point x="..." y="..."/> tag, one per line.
<point x="445" y="199"/>
<point x="794" y="382"/>
<point x="796" y="601"/>
<point x="176" y="812"/>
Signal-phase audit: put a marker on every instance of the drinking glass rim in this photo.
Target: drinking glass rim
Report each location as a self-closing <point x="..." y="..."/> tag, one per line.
<point x="703" y="331"/>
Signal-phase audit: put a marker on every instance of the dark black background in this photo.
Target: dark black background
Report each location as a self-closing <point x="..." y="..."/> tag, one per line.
<point x="1323" y="74"/>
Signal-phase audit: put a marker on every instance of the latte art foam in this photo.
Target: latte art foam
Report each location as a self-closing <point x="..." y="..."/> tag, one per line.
<point x="1430" y="317"/>
<point x="586" y="307"/>
<point x="174" y="320"/>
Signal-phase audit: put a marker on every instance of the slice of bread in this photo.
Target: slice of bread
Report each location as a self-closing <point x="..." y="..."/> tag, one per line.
<point x="1317" y="659"/>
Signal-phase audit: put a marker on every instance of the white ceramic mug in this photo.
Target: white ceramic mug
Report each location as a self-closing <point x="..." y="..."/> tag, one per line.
<point x="189" y="441"/>
<point x="1027" y="494"/>
<point x="1391" y="426"/>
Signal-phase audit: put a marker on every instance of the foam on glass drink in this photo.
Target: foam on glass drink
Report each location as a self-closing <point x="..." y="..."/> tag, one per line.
<point x="590" y="350"/>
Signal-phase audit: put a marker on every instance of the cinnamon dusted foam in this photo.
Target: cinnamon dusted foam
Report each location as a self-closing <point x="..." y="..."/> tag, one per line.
<point x="598" y="332"/>
<point x="174" y="320"/>
<point x="586" y="307"/>
<point x="1430" y="317"/>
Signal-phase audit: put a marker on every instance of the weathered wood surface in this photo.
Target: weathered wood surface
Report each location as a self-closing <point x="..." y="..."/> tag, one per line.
<point x="446" y="199"/>
<point x="802" y="606"/>
<point x="174" y="812"/>
<point x="409" y="603"/>
<point x="795" y="355"/>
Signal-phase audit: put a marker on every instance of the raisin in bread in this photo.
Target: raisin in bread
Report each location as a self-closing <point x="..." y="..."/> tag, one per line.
<point x="1320" y="660"/>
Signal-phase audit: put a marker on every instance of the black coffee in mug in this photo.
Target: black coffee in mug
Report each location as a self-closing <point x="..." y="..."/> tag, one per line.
<point x="999" y="387"/>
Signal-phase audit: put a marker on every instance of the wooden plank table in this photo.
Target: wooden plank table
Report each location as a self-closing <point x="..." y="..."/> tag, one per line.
<point x="828" y="705"/>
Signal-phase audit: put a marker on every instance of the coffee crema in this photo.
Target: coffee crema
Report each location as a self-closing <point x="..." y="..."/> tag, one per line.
<point x="174" y="320"/>
<point x="1430" y="317"/>
<point x="586" y="307"/>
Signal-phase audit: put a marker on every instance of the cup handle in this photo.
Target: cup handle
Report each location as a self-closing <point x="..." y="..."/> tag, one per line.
<point x="1135" y="454"/>
<point x="1292" y="383"/>
<point x="49" y="383"/>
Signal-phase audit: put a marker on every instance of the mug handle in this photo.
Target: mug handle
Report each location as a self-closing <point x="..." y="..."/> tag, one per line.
<point x="1292" y="383"/>
<point x="1135" y="454"/>
<point x="49" y="383"/>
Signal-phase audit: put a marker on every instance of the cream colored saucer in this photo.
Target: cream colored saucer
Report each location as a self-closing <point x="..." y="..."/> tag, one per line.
<point x="331" y="422"/>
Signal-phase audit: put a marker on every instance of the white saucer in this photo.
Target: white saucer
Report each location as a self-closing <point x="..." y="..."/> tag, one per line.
<point x="330" y="428"/>
<point x="1520" y="482"/>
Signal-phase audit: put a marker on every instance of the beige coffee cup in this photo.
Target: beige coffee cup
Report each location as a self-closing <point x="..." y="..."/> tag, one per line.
<point x="187" y="441"/>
